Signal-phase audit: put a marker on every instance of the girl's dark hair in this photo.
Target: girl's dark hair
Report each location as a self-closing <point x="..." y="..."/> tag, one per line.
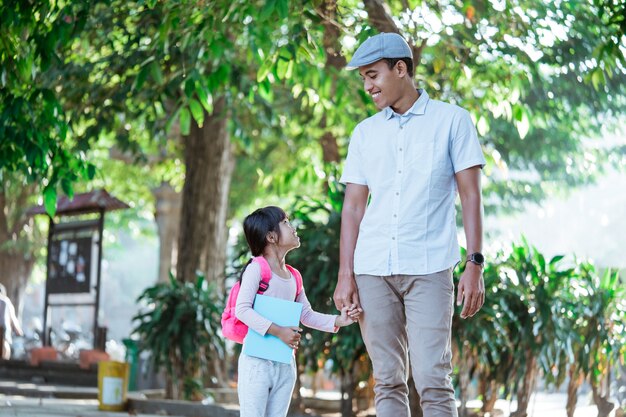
<point x="391" y="62"/>
<point x="257" y="225"/>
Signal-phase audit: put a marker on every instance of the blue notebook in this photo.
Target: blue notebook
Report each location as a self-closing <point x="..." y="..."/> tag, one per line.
<point x="281" y="312"/>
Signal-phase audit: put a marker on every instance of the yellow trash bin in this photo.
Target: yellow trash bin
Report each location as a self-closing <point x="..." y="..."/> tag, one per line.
<point x="112" y="385"/>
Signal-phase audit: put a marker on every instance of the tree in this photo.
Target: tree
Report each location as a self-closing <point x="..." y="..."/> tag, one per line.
<point x="595" y="337"/>
<point x="36" y="138"/>
<point x="38" y="153"/>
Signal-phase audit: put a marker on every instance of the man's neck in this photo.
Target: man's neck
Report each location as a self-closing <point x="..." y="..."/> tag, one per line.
<point x="406" y="102"/>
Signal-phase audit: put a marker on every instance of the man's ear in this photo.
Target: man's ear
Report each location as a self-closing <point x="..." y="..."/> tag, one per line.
<point x="401" y="69"/>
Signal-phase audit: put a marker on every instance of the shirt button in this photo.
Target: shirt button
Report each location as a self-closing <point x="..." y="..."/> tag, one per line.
<point x="397" y="193"/>
<point x="399" y="171"/>
<point x="400" y="149"/>
<point x="395" y="215"/>
<point x="401" y="127"/>
<point x="393" y="238"/>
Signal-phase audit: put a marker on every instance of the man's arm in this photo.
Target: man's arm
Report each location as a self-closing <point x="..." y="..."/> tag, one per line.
<point x="354" y="204"/>
<point x="471" y="289"/>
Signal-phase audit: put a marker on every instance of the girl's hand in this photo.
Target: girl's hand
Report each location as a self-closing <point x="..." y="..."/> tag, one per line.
<point x="349" y="314"/>
<point x="289" y="335"/>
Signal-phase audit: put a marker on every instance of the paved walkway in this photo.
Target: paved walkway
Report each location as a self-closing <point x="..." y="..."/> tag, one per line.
<point x="550" y="405"/>
<point x="11" y="406"/>
<point x="541" y="405"/>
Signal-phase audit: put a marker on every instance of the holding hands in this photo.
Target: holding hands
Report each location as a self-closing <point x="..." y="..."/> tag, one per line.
<point x="291" y="335"/>
<point x="349" y="314"/>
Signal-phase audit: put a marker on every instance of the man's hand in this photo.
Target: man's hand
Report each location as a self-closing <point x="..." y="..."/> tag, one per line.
<point x="346" y="293"/>
<point x="471" y="290"/>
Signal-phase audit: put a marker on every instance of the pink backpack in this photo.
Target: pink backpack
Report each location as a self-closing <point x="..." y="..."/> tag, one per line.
<point x="232" y="328"/>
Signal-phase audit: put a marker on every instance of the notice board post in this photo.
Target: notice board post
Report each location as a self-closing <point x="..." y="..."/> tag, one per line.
<point x="74" y="258"/>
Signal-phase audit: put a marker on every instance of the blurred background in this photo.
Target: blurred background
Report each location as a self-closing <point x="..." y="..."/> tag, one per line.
<point x="193" y="113"/>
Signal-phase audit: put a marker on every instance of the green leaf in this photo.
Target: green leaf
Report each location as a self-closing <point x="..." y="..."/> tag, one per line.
<point x="66" y="185"/>
<point x="281" y="68"/>
<point x="265" y="69"/>
<point x="268" y="9"/>
<point x="190" y="87"/>
<point x="91" y="171"/>
<point x="25" y="68"/>
<point x="185" y="121"/>
<point x="171" y="120"/>
<point x="155" y="71"/>
<point x="205" y="98"/>
<point x="50" y="200"/>
<point x="556" y="259"/>
<point x="197" y="111"/>
<point x="283" y="8"/>
<point x="141" y="77"/>
<point x="597" y="78"/>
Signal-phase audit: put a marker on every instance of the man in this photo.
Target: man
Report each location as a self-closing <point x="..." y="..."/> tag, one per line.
<point x="398" y="242"/>
<point x="8" y="323"/>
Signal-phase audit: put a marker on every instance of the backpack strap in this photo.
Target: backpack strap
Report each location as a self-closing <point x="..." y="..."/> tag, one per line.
<point x="298" y="278"/>
<point x="266" y="273"/>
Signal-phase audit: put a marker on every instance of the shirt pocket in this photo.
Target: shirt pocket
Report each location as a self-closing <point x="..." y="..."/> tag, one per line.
<point x="418" y="157"/>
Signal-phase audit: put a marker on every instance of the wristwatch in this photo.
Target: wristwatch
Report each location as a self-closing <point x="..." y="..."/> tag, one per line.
<point x="476" y="258"/>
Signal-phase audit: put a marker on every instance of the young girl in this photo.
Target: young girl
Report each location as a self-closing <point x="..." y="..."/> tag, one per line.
<point x="265" y="386"/>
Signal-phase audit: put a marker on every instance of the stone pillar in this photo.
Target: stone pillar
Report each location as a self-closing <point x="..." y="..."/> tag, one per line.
<point x="167" y="215"/>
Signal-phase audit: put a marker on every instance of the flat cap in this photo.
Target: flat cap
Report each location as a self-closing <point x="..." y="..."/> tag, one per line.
<point x="377" y="47"/>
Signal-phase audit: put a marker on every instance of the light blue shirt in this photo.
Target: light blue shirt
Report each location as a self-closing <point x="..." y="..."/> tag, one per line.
<point x="409" y="163"/>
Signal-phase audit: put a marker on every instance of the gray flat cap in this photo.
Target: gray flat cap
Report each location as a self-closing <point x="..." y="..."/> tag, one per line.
<point x="377" y="47"/>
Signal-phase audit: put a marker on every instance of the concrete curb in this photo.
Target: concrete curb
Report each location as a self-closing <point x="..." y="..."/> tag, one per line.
<point x="28" y="389"/>
<point x="180" y="408"/>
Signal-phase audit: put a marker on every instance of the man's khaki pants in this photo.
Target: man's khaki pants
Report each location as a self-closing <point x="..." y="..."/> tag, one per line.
<point x="409" y="315"/>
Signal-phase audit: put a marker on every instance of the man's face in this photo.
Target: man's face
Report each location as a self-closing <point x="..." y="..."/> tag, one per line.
<point x="382" y="83"/>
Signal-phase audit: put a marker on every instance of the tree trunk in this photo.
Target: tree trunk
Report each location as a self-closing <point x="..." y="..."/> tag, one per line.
<point x="218" y="188"/>
<point x="202" y="241"/>
<point x="335" y="62"/>
<point x="575" y="380"/>
<point x="16" y="267"/>
<point x="209" y="164"/>
<point x="489" y="391"/>
<point x="601" y="397"/>
<point x="167" y="216"/>
<point x="169" y="386"/>
<point x="17" y="250"/>
<point x="381" y="20"/>
<point x="215" y="368"/>
<point x="526" y="389"/>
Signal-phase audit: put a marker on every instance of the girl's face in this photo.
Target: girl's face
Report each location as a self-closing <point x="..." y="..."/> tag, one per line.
<point x="288" y="236"/>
